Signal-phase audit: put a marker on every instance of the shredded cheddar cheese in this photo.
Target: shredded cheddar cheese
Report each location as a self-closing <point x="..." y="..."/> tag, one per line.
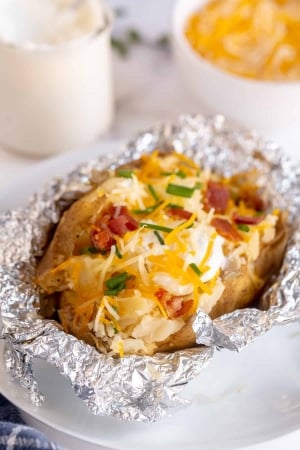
<point x="252" y="38"/>
<point x="171" y="237"/>
<point x="170" y="259"/>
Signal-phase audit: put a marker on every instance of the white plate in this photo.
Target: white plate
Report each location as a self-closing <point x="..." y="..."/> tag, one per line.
<point x="240" y="399"/>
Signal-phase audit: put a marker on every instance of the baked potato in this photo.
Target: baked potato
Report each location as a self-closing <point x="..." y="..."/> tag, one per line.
<point x="132" y="261"/>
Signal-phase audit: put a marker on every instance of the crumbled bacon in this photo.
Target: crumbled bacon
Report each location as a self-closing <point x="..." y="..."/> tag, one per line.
<point x="226" y="229"/>
<point x="179" y="212"/>
<point x="116" y="220"/>
<point x="102" y="239"/>
<point x="121" y="221"/>
<point x="160" y="294"/>
<point x="247" y="220"/>
<point x="175" y="306"/>
<point x="217" y="197"/>
<point x="252" y="199"/>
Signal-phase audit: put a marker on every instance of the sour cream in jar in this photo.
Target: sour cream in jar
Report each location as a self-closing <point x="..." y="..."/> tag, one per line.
<point x="55" y="74"/>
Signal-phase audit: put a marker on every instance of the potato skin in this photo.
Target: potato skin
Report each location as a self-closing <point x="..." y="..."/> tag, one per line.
<point x="72" y="233"/>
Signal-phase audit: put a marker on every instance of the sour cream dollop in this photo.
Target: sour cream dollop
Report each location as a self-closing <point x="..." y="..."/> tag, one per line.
<point x="48" y="22"/>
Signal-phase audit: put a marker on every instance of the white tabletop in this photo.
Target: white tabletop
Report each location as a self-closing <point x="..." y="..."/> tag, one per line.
<point x="149" y="90"/>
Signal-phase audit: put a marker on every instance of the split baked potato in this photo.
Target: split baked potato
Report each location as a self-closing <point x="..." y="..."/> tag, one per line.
<point x="132" y="261"/>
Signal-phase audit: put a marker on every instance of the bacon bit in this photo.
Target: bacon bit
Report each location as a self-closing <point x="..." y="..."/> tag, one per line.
<point x="102" y="239"/>
<point x="185" y="307"/>
<point x="116" y="220"/>
<point x="175" y="306"/>
<point x="121" y="221"/>
<point x="118" y="210"/>
<point x="226" y="229"/>
<point x="179" y="212"/>
<point x="247" y="220"/>
<point x="217" y="197"/>
<point x="160" y="294"/>
<point x="252" y="199"/>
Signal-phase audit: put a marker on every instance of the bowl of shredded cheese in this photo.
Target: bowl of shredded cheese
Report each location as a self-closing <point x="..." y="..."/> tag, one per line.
<point x="241" y="57"/>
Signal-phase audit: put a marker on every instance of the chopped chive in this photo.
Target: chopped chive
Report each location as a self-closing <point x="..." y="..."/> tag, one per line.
<point x="114" y="282"/>
<point x="181" y="174"/>
<point x="174" y="205"/>
<point x="115" y="308"/>
<point x="180" y="191"/>
<point x="243" y="227"/>
<point x="259" y="213"/>
<point x="163" y="41"/>
<point x="111" y="292"/>
<point x="125" y="173"/>
<point x="152" y="226"/>
<point x="195" y="269"/>
<point x="159" y="237"/>
<point x="89" y="250"/>
<point x="198" y="185"/>
<point x="120" y="46"/>
<point x="153" y="192"/>
<point x="134" y="36"/>
<point x="148" y="210"/>
<point x="118" y="253"/>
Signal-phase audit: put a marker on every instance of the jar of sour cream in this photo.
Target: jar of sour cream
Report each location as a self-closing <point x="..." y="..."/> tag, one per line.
<point x="55" y="74"/>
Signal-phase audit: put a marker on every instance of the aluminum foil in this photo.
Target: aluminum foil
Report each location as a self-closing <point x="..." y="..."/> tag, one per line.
<point x="137" y="387"/>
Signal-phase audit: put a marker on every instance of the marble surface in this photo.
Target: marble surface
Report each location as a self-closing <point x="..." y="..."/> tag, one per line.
<point x="149" y="90"/>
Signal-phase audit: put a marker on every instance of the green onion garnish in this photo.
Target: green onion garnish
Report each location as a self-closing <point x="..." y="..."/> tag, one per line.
<point x="243" y="227"/>
<point x="111" y="292"/>
<point x="198" y="185"/>
<point x="125" y="173"/>
<point x="148" y="210"/>
<point x="174" y="205"/>
<point x="120" y="46"/>
<point x="180" y="191"/>
<point x="118" y="253"/>
<point x="117" y="281"/>
<point x="160" y="239"/>
<point x="134" y="36"/>
<point x="181" y="174"/>
<point x="259" y="213"/>
<point x="89" y="250"/>
<point x="195" y="269"/>
<point x="152" y="226"/>
<point x="153" y="192"/>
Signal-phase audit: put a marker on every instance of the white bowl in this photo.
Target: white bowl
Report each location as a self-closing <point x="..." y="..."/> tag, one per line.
<point x="263" y="105"/>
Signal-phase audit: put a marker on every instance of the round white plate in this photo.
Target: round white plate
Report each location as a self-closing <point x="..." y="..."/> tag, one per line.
<point x="240" y="399"/>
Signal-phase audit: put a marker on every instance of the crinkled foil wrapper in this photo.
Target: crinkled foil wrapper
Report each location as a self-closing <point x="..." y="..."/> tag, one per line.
<point x="137" y="387"/>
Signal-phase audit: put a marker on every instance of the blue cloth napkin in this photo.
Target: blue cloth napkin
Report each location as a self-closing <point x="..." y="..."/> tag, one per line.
<point x="15" y="435"/>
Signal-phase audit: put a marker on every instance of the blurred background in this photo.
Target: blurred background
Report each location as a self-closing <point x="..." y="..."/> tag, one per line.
<point x="149" y="87"/>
